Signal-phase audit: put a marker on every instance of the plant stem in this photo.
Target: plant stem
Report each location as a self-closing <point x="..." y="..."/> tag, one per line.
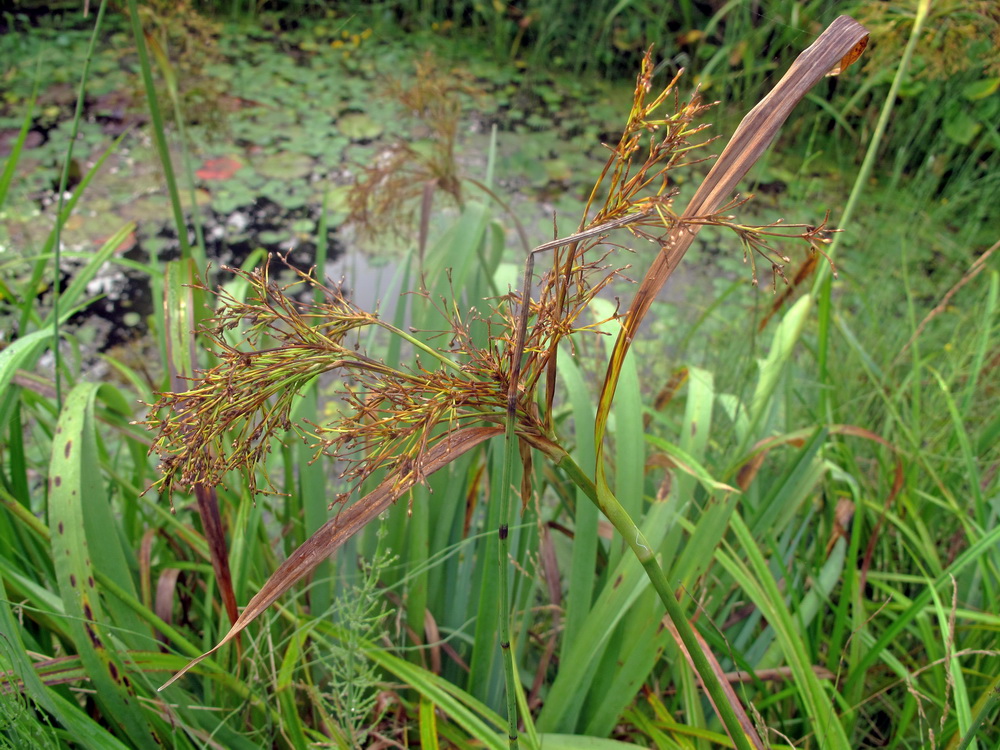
<point x="511" y="447"/>
<point x="623" y="522"/>
<point x="63" y="184"/>
<point x="509" y="451"/>
<point x="420" y="345"/>
<point x="823" y="283"/>
<point x="982" y="716"/>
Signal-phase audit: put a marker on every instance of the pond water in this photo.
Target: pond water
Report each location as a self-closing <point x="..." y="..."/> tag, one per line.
<point x="262" y="160"/>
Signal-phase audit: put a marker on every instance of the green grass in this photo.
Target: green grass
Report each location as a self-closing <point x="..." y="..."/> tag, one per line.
<point x="821" y="497"/>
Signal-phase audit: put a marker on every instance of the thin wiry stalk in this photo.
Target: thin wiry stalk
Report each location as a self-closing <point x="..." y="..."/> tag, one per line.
<point x="63" y="183"/>
<point x="623" y="523"/>
<point x="507" y="653"/>
<point x="823" y="286"/>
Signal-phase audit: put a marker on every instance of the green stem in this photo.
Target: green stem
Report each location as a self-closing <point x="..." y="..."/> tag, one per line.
<point x="63" y="183"/>
<point x="623" y="522"/>
<point x="421" y="346"/>
<point x="823" y="284"/>
<point x="509" y="451"/>
<point x="196" y="222"/>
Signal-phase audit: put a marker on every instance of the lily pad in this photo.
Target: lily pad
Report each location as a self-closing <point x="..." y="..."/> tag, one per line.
<point x="156" y="208"/>
<point x="295" y="199"/>
<point x="272" y="237"/>
<point x="285" y="165"/>
<point x="94" y="230"/>
<point x="201" y="197"/>
<point x="358" y="126"/>
<point x="961" y="127"/>
<point x="148" y="208"/>
<point x="981" y="89"/>
<point x="338" y="198"/>
<point x="228" y="201"/>
<point x="330" y="149"/>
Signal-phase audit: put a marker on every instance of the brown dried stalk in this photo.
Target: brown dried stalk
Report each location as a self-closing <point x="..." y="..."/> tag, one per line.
<point x="384" y="198"/>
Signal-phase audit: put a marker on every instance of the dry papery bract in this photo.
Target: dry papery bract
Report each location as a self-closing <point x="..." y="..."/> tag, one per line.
<point x="393" y="415"/>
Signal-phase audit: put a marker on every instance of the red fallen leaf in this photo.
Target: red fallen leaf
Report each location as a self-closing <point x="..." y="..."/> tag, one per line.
<point x="219" y="169"/>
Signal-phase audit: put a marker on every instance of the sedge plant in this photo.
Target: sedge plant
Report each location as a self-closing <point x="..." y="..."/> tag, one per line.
<point x="400" y="424"/>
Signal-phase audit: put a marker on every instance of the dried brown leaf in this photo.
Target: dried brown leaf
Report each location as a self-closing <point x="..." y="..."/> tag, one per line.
<point x="755" y="133"/>
<point x="331" y="535"/>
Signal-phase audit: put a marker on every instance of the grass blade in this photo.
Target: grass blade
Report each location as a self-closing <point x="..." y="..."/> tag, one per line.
<point x="756" y="579"/>
<point x="74" y="494"/>
<point x="20" y="354"/>
<point x="83" y="729"/>
<point x="159" y="132"/>
<point x="10" y="165"/>
<point x="28" y="312"/>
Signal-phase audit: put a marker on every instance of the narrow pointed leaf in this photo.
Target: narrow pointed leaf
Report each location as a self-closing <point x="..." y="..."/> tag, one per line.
<point x="75" y="488"/>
